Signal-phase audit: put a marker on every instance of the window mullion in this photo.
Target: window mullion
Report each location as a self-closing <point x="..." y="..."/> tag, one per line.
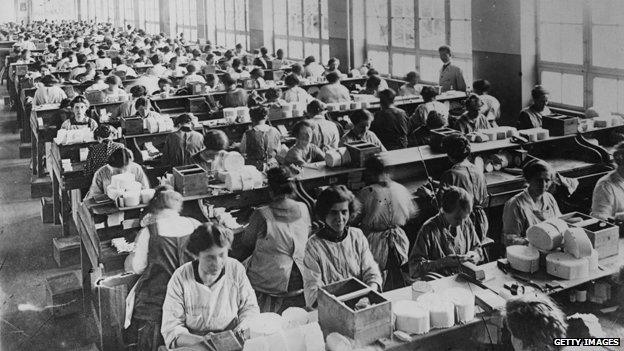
<point x="417" y="35"/>
<point x="390" y="43"/>
<point x="320" y="32"/>
<point x="588" y="98"/>
<point x="447" y="21"/>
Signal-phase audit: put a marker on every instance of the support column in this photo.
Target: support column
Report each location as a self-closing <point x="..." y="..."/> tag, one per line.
<point x="357" y="43"/>
<point x="504" y="51"/>
<point x="201" y="20"/>
<point x="339" y="32"/>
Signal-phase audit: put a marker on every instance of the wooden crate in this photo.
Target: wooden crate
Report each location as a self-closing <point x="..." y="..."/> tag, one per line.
<point x="64" y="293"/>
<point x="437" y="135"/>
<point x="559" y="125"/>
<point x="132" y="125"/>
<point x="190" y="180"/>
<point x="196" y="105"/>
<point x="66" y="251"/>
<point x="336" y="312"/>
<point x="604" y="236"/>
<point x="361" y="151"/>
<point x="47" y="211"/>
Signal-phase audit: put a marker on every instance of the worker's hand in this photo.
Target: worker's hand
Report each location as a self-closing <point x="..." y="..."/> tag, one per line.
<point x="473" y="256"/>
<point x="374" y="286"/>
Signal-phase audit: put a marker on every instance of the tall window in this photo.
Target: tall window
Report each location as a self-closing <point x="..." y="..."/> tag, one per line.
<point x="183" y="18"/>
<point x="104" y="11"/>
<point x="127" y="12"/>
<point x="301" y="29"/>
<point x="149" y="16"/>
<point x="230" y="21"/>
<point x="404" y="35"/>
<point x="581" y="59"/>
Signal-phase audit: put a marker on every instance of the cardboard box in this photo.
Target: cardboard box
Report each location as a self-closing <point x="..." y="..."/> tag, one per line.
<point x="64" y="293"/>
<point x="337" y="313"/>
<point x="66" y="251"/>
<point x="132" y="125"/>
<point x="437" y="135"/>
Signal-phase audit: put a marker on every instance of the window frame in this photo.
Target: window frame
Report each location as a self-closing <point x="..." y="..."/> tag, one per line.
<point x="217" y="31"/>
<point x="303" y="39"/>
<point x="587" y="69"/>
<point x="417" y="51"/>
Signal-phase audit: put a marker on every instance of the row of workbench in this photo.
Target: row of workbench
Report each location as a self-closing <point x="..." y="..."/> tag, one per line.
<point x="571" y="155"/>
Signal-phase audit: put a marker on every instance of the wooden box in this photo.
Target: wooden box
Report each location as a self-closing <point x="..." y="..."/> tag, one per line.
<point x="336" y="312"/>
<point x="132" y="125"/>
<point x="559" y="125"/>
<point x="190" y="180"/>
<point x="66" y="251"/>
<point x="47" y="210"/>
<point x="604" y="236"/>
<point x="196" y="88"/>
<point x="64" y="293"/>
<point x="196" y="105"/>
<point x="274" y="75"/>
<point x="437" y="135"/>
<point x="360" y="151"/>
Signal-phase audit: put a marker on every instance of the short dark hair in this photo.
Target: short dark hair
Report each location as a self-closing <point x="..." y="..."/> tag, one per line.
<point x="209" y="235"/>
<point x="299" y="126"/>
<point x="373" y="82"/>
<point x="453" y="197"/>
<point x="445" y="48"/>
<point x="263" y="50"/>
<point x="436" y="120"/>
<point x="456" y="146"/>
<point x="332" y="77"/>
<point x="333" y="195"/>
<point x="228" y="80"/>
<point x="361" y="115"/>
<point x="258" y="113"/>
<point x="279" y="181"/>
<point x="291" y="80"/>
<point x="296" y="68"/>
<point x="81" y="58"/>
<point x="272" y="93"/>
<point x="138" y="91"/>
<point x="215" y="139"/>
<point x="428" y="93"/>
<point x="308" y="60"/>
<point x="374" y="167"/>
<point x="112" y="80"/>
<point x="315" y="107"/>
<point x="101" y="54"/>
<point x="120" y="158"/>
<point x="533" y="169"/>
<point x="538" y="91"/>
<point x="141" y="102"/>
<point x="387" y="96"/>
<point x="257" y="72"/>
<point x="102" y="131"/>
<point x="164" y="81"/>
<point x="481" y="85"/>
<point x="372" y="72"/>
<point x="411" y="75"/>
<point x="535" y="320"/>
<point x="79" y="99"/>
<point x="184" y="118"/>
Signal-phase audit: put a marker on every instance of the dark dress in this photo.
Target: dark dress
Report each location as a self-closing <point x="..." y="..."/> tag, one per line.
<point x="390" y="126"/>
<point x="98" y="155"/>
<point x="466" y="176"/>
<point x="165" y="255"/>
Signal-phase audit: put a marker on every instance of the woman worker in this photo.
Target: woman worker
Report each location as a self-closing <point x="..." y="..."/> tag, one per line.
<point x="99" y="153"/>
<point x="448" y="239"/>
<point x="276" y="238"/>
<point x="79" y="106"/>
<point x="181" y="145"/>
<point x="531" y="117"/>
<point x="533" y="205"/>
<point x="337" y="251"/>
<point x="120" y="161"/>
<point x="362" y="120"/>
<point x="608" y="198"/>
<point x="419" y="118"/>
<point x="215" y="141"/>
<point x="386" y="207"/>
<point x="50" y="92"/>
<point x="260" y="143"/>
<point x="303" y="152"/>
<point x="160" y="248"/>
<point x="210" y="294"/>
<point x="465" y="175"/>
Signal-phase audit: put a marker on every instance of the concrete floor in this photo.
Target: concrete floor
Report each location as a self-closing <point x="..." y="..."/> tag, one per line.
<point x="26" y="259"/>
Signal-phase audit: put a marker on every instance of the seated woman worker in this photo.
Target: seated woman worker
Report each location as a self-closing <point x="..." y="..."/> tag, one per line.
<point x="210" y="294"/>
<point x="446" y="240"/>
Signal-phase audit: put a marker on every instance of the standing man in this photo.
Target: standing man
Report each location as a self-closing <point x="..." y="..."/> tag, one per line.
<point x="451" y="76"/>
